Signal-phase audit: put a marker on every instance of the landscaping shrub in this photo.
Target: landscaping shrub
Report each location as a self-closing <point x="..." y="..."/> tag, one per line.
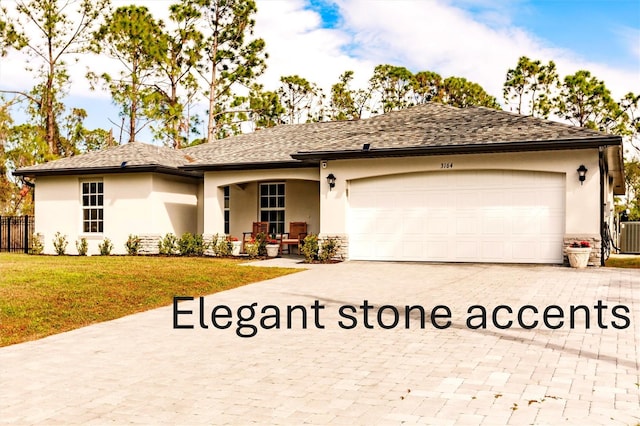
<point x="199" y="245"/>
<point x="132" y="245"/>
<point x="168" y="244"/>
<point x="261" y="241"/>
<point x="310" y="248"/>
<point x="221" y="246"/>
<point x="60" y="243"/>
<point x="82" y="246"/>
<point x="36" y="244"/>
<point x="328" y="249"/>
<point x="252" y="248"/>
<point x="191" y="245"/>
<point x="105" y="247"/>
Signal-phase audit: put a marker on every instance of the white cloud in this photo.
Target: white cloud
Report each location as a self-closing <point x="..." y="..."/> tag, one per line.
<point x="297" y="44"/>
<point x="435" y="35"/>
<point x="440" y="37"/>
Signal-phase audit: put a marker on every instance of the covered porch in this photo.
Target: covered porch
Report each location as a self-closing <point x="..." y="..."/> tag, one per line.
<point x="233" y="200"/>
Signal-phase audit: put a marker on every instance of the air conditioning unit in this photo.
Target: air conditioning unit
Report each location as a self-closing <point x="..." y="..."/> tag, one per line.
<point x="630" y="237"/>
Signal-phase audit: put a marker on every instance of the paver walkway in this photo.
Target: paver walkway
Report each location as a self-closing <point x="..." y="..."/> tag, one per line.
<point x="139" y="369"/>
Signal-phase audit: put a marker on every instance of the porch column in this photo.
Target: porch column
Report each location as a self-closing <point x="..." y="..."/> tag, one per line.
<point x="334" y="206"/>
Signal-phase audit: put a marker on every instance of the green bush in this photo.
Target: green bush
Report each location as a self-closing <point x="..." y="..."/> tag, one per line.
<point x="199" y="245"/>
<point x="191" y="245"/>
<point x="261" y="240"/>
<point x="168" y="244"/>
<point x="60" y="243"/>
<point x="105" y="247"/>
<point x="82" y="246"/>
<point x="221" y="246"/>
<point x="36" y="244"/>
<point x="252" y="249"/>
<point x="132" y="245"/>
<point x="328" y="249"/>
<point x="310" y="248"/>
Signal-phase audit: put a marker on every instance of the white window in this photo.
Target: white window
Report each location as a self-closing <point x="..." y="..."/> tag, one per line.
<point x="272" y="206"/>
<point x="227" y="210"/>
<point x="92" y="207"/>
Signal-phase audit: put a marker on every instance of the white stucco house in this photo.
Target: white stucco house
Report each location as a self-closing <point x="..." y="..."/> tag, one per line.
<point x="429" y="183"/>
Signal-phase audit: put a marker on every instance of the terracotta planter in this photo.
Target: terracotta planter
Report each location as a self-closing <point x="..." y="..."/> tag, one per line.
<point x="578" y="256"/>
<point x="272" y="250"/>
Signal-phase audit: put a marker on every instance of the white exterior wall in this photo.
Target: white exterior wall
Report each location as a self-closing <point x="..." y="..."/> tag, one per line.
<point x="175" y="204"/>
<point x="138" y="204"/>
<point x="301" y="202"/>
<point x="582" y="201"/>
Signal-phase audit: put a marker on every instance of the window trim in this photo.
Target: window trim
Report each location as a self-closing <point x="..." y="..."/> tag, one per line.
<point x="226" y="194"/>
<point x="283" y="209"/>
<point x="98" y="207"/>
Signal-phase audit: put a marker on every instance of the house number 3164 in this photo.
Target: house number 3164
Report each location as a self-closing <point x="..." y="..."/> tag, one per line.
<point x="446" y="165"/>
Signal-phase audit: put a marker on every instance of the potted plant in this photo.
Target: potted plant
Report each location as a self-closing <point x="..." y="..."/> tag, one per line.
<point x="578" y="254"/>
<point x="236" y="246"/>
<point x="273" y="247"/>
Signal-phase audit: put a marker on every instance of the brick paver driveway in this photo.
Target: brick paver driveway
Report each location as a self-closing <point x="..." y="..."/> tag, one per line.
<point x="140" y="369"/>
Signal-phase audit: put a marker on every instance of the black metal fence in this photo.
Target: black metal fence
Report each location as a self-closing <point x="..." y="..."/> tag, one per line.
<point x="16" y="233"/>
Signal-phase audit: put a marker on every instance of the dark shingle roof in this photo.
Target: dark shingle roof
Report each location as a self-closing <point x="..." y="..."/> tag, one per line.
<point x="422" y="127"/>
<point x="426" y="128"/>
<point x="134" y="155"/>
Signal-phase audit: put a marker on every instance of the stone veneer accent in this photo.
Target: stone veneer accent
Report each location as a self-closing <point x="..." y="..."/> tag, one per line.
<point x="208" y="239"/>
<point x="343" y="244"/>
<point x="596" y="247"/>
<point x="149" y="244"/>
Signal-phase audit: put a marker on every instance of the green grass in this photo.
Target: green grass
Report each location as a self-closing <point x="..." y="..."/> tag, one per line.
<point x="623" y="261"/>
<point x="44" y="295"/>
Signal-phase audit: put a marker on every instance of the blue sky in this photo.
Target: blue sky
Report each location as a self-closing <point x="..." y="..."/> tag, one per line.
<point x="601" y="30"/>
<point x="475" y="39"/>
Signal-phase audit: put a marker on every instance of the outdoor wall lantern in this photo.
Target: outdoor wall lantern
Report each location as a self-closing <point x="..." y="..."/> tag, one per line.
<point x="331" y="180"/>
<point x="582" y="173"/>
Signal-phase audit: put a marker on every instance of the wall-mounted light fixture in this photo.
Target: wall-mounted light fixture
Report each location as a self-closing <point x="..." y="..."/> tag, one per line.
<point x="582" y="173"/>
<point x="331" y="180"/>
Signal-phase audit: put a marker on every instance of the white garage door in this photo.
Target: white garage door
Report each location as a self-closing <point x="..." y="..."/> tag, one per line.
<point x="458" y="216"/>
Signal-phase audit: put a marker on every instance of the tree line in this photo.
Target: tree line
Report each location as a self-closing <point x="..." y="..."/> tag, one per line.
<point x="206" y="52"/>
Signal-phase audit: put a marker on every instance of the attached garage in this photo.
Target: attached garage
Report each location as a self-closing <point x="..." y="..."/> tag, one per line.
<point x="458" y="216"/>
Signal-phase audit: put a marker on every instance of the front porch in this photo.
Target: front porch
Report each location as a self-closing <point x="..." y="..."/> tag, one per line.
<point x="234" y="200"/>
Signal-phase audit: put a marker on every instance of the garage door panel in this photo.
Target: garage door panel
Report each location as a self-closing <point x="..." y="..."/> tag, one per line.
<point x="493" y="197"/>
<point x="549" y="250"/>
<point x="386" y="222"/>
<point x="413" y="222"/>
<point x="495" y="222"/>
<point x="435" y="198"/>
<point x="435" y="250"/>
<point x="467" y="250"/>
<point x="437" y="225"/>
<point x="553" y="225"/>
<point x="363" y="221"/>
<point x="493" y="251"/>
<point x="466" y="224"/>
<point x="525" y="251"/>
<point x="464" y="199"/>
<point x="474" y="216"/>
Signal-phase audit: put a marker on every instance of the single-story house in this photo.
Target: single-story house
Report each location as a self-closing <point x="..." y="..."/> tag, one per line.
<point x="429" y="183"/>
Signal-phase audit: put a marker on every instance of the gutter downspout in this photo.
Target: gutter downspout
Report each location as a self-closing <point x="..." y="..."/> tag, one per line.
<point x="602" y="224"/>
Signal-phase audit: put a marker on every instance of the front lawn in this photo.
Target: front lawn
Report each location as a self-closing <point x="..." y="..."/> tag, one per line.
<point x="44" y="295"/>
